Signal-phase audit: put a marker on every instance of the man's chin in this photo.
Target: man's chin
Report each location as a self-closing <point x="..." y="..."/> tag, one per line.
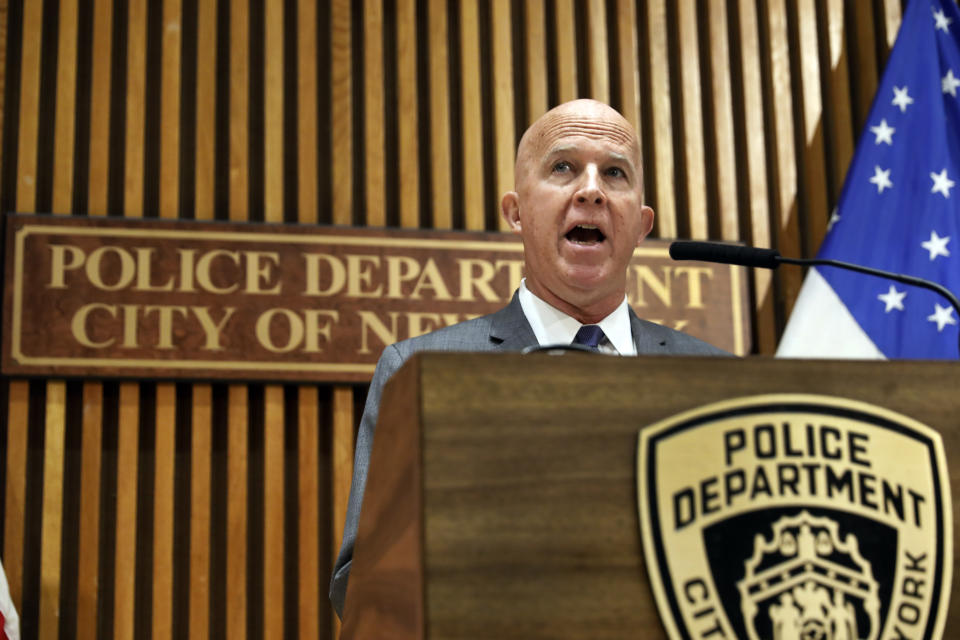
<point x="585" y="289"/>
<point x="585" y="276"/>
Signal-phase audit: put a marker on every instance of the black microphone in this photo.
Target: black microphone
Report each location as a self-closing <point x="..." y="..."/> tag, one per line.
<point x="724" y="254"/>
<point x="771" y="259"/>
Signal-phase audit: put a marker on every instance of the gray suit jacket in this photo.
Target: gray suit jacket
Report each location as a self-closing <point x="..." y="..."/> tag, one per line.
<point x="505" y="330"/>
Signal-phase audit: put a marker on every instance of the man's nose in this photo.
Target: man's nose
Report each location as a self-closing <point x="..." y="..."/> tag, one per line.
<point x="590" y="191"/>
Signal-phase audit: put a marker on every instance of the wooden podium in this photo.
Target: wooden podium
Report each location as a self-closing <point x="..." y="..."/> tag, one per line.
<point x="502" y="495"/>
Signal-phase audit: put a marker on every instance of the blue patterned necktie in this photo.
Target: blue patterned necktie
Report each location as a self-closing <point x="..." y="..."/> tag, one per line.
<point x="589" y="335"/>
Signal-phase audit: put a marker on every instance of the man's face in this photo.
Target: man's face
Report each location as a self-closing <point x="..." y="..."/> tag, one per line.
<point x="579" y="207"/>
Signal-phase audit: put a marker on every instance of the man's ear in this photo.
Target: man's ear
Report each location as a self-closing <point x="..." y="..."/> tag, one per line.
<point x="646" y="219"/>
<point x="510" y="210"/>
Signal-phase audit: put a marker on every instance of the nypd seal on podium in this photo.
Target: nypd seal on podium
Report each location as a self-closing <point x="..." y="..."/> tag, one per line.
<point x="796" y="517"/>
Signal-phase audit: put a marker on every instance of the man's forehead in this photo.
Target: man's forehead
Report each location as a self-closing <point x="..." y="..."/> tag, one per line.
<point x="556" y="128"/>
<point x="563" y="127"/>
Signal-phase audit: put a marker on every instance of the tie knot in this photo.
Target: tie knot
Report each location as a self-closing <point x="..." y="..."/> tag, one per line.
<point x="589" y="335"/>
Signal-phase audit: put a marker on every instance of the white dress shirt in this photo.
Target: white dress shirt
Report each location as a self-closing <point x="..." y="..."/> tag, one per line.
<point x="552" y="326"/>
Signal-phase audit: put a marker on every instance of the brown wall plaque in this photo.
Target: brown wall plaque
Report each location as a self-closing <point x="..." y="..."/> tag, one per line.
<point x="133" y="298"/>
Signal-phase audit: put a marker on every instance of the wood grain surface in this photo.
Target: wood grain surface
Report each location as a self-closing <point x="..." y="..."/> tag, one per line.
<point x="518" y="474"/>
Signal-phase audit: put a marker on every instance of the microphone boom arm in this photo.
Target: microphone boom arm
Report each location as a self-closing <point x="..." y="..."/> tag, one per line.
<point x="771" y="259"/>
<point x="899" y="277"/>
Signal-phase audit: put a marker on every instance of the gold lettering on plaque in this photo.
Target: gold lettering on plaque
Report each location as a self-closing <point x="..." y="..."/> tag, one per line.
<point x="370" y="321"/>
<point x="59" y="264"/>
<point x="144" y="271"/>
<point x="481" y="283"/>
<point x="694" y="288"/>
<point x="264" y="330"/>
<point x="260" y="271"/>
<point x="78" y="326"/>
<point x="212" y="330"/>
<point x="337" y="278"/>
<point x="359" y="276"/>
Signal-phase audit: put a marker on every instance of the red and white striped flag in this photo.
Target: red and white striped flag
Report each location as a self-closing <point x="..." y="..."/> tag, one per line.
<point x="9" y="622"/>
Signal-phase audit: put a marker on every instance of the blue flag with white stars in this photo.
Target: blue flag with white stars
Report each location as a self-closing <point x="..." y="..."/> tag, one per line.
<point x="899" y="210"/>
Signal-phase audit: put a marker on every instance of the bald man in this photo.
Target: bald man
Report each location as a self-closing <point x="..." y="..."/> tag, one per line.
<point x="578" y="207"/>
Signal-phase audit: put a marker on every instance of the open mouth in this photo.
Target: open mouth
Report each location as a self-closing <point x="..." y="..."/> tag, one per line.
<point x="585" y="234"/>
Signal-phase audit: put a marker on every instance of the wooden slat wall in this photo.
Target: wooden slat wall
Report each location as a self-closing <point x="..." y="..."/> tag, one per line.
<point x="146" y="509"/>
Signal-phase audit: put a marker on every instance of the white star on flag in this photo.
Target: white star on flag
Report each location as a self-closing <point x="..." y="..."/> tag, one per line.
<point x="834" y="219"/>
<point x="942" y="316"/>
<point x="893" y="299"/>
<point x="941" y="183"/>
<point x="942" y="21"/>
<point x="881" y="178"/>
<point x="884" y="132"/>
<point x="936" y="245"/>
<point x="901" y="99"/>
<point x="949" y="83"/>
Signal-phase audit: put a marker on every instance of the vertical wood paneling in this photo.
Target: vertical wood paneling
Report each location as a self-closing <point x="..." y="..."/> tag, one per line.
<point x="787" y="230"/>
<point x="536" y="59"/>
<point x="341" y="126"/>
<point x="4" y="28"/>
<point x="696" y="177"/>
<point x="273" y="424"/>
<point x="16" y="488"/>
<point x="440" y="153"/>
<point x="309" y="594"/>
<point x="100" y="106"/>
<point x="170" y="110"/>
<point x="89" y="527"/>
<point x="129" y="413"/>
<point x="597" y="43"/>
<point x="66" y="106"/>
<point x="206" y="109"/>
<point x="125" y="552"/>
<point x="756" y="169"/>
<point x="626" y="22"/>
<point x="373" y="124"/>
<point x="134" y="134"/>
<point x="892" y="14"/>
<point x="237" y="490"/>
<point x="865" y="59"/>
<point x="239" y="108"/>
<point x="200" y="451"/>
<point x="471" y="116"/>
<point x="29" y="106"/>
<point x="273" y="116"/>
<point x="565" y="60"/>
<point x="52" y="523"/>
<point x="308" y="198"/>
<point x="661" y="108"/>
<point x="503" y="98"/>
<point x="165" y="450"/>
<point x="273" y="516"/>
<point x="408" y="160"/>
<point x="838" y="90"/>
<point x="341" y="466"/>
<point x="17" y="424"/>
<point x="724" y="162"/>
<point x="814" y="158"/>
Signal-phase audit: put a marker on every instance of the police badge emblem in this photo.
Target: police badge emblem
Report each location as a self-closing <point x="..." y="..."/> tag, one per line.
<point x="796" y="517"/>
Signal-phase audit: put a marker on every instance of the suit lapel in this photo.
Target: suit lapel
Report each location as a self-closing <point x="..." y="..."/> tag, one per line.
<point x="648" y="342"/>
<point x="509" y="329"/>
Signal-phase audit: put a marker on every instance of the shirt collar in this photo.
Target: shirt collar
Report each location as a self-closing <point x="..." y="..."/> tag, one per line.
<point x="552" y="326"/>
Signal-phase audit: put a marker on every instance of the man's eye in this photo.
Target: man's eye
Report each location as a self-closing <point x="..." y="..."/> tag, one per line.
<point x="562" y="167"/>
<point x="616" y="172"/>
